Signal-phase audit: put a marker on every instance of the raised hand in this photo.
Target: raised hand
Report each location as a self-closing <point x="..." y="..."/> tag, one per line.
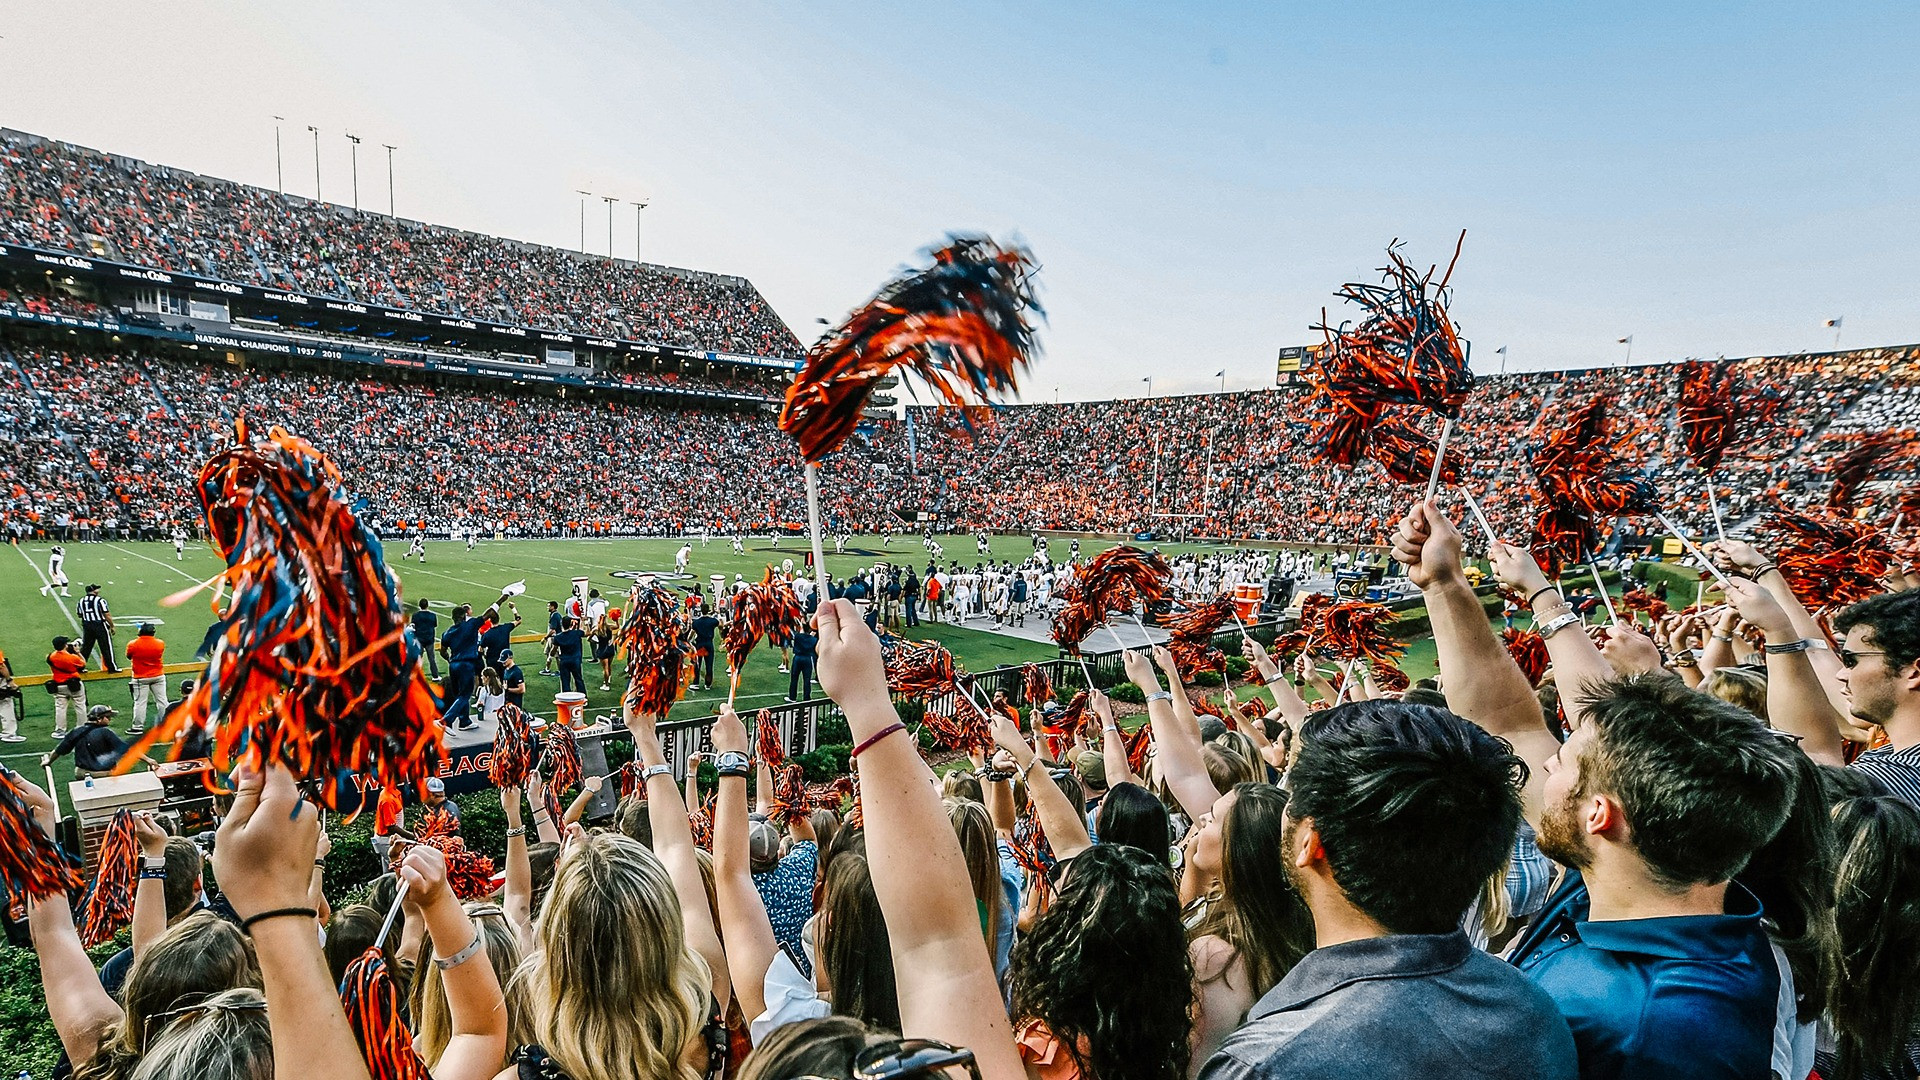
<point x="1516" y="568"/>
<point x="266" y="844"/>
<point x="1428" y="545"/>
<point x="729" y="733"/>
<point x="152" y="838"/>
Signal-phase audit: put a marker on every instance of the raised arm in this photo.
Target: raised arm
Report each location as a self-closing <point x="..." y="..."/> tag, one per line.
<point x="999" y="793"/>
<point x="80" y="1009"/>
<point x="1795" y="701"/>
<point x="942" y="969"/>
<point x="547" y="829"/>
<point x="516" y="899"/>
<point x="476" y="1008"/>
<point x="1483" y="683"/>
<point x="266" y="850"/>
<point x="1062" y="821"/>
<point x="589" y="787"/>
<point x="1765" y="572"/>
<point x="149" y="893"/>
<point x="673" y="843"/>
<point x="1113" y="742"/>
<point x="751" y="944"/>
<point x="1176" y="735"/>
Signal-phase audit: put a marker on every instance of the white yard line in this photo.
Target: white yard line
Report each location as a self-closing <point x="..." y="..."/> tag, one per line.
<point x="174" y="570"/>
<point x="46" y="587"/>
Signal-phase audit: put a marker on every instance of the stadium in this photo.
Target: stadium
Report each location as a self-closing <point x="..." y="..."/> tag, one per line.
<point x="335" y="529"/>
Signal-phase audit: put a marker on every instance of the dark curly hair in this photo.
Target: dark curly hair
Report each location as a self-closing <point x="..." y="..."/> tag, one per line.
<point x="1894" y="619"/>
<point x="1106" y="968"/>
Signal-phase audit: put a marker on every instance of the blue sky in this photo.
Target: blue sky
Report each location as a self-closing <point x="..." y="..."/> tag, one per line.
<point x="1196" y="179"/>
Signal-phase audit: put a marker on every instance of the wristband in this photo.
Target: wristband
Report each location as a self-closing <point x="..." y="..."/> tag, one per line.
<point x="1802" y="645"/>
<point x="876" y="737"/>
<point x="1537" y="592"/>
<point x="246" y="925"/>
<point x="153" y="862"/>
<point x="1556" y="625"/>
<point x="461" y="957"/>
<point x="652" y="771"/>
<point x="1728" y="638"/>
<point x="150" y="873"/>
<point x="1159" y="695"/>
<point x="1278" y="678"/>
<point x="521" y="831"/>
<point x="732" y="761"/>
<point x="1763" y="571"/>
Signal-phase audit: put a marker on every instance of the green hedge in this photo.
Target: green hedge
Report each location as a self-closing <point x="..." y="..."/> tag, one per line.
<point x="28" y="1042"/>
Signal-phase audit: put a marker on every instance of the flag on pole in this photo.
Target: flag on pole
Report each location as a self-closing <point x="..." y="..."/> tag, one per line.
<point x="1223" y="374"/>
<point x="1628" y="340"/>
<point x="1835" y="323"/>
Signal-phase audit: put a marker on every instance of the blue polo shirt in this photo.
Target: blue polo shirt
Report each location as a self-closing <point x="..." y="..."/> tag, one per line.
<point x="1653" y="999"/>
<point x="462" y="640"/>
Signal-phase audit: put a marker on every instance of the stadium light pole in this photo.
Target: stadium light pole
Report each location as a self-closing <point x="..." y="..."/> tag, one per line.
<point x="609" y="200"/>
<point x="316" y="162"/>
<point x="279" y="175"/>
<point x="390" y="149"/>
<point x="353" y="150"/>
<point x="637" y="207"/>
<point x="583" y="218"/>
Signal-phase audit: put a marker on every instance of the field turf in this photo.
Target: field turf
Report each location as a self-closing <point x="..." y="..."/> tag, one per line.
<point x="134" y="576"/>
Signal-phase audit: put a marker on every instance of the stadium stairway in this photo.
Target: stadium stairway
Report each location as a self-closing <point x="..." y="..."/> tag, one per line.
<point x="146" y="368"/>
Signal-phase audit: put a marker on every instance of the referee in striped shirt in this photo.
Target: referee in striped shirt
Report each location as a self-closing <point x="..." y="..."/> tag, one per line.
<point x="96" y="627"/>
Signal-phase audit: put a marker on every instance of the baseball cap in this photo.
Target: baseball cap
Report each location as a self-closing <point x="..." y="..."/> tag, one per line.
<point x="506" y="654"/>
<point x="763" y="841"/>
<point x="436" y="785"/>
<point x="146" y="629"/>
<point x="1092" y="767"/>
<point x="101" y="712"/>
<point x="1211" y="728"/>
<point x="93" y="588"/>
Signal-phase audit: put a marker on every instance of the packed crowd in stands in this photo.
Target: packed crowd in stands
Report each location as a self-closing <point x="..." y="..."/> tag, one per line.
<point x="1684" y="848"/>
<point x="56" y="195"/>
<point x="127" y="432"/>
<point x="1241" y="464"/>
<point x="133" y="431"/>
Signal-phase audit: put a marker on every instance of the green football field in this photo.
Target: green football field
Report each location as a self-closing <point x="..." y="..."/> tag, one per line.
<point x="135" y="576"/>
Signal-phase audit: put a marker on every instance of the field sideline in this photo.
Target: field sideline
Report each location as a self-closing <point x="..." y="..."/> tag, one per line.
<point x="134" y="576"/>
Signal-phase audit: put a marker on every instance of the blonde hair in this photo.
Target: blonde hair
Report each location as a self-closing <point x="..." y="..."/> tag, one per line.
<point x="1746" y="689"/>
<point x="977" y="845"/>
<point x="228" y="1040"/>
<point x="196" y="959"/>
<point x="616" y="992"/>
<point x="433" y="1022"/>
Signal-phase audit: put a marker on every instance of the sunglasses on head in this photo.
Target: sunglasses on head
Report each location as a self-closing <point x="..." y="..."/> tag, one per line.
<point x="1850" y="658"/>
<point x="159" y="1022"/>
<point x="900" y="1059"/>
